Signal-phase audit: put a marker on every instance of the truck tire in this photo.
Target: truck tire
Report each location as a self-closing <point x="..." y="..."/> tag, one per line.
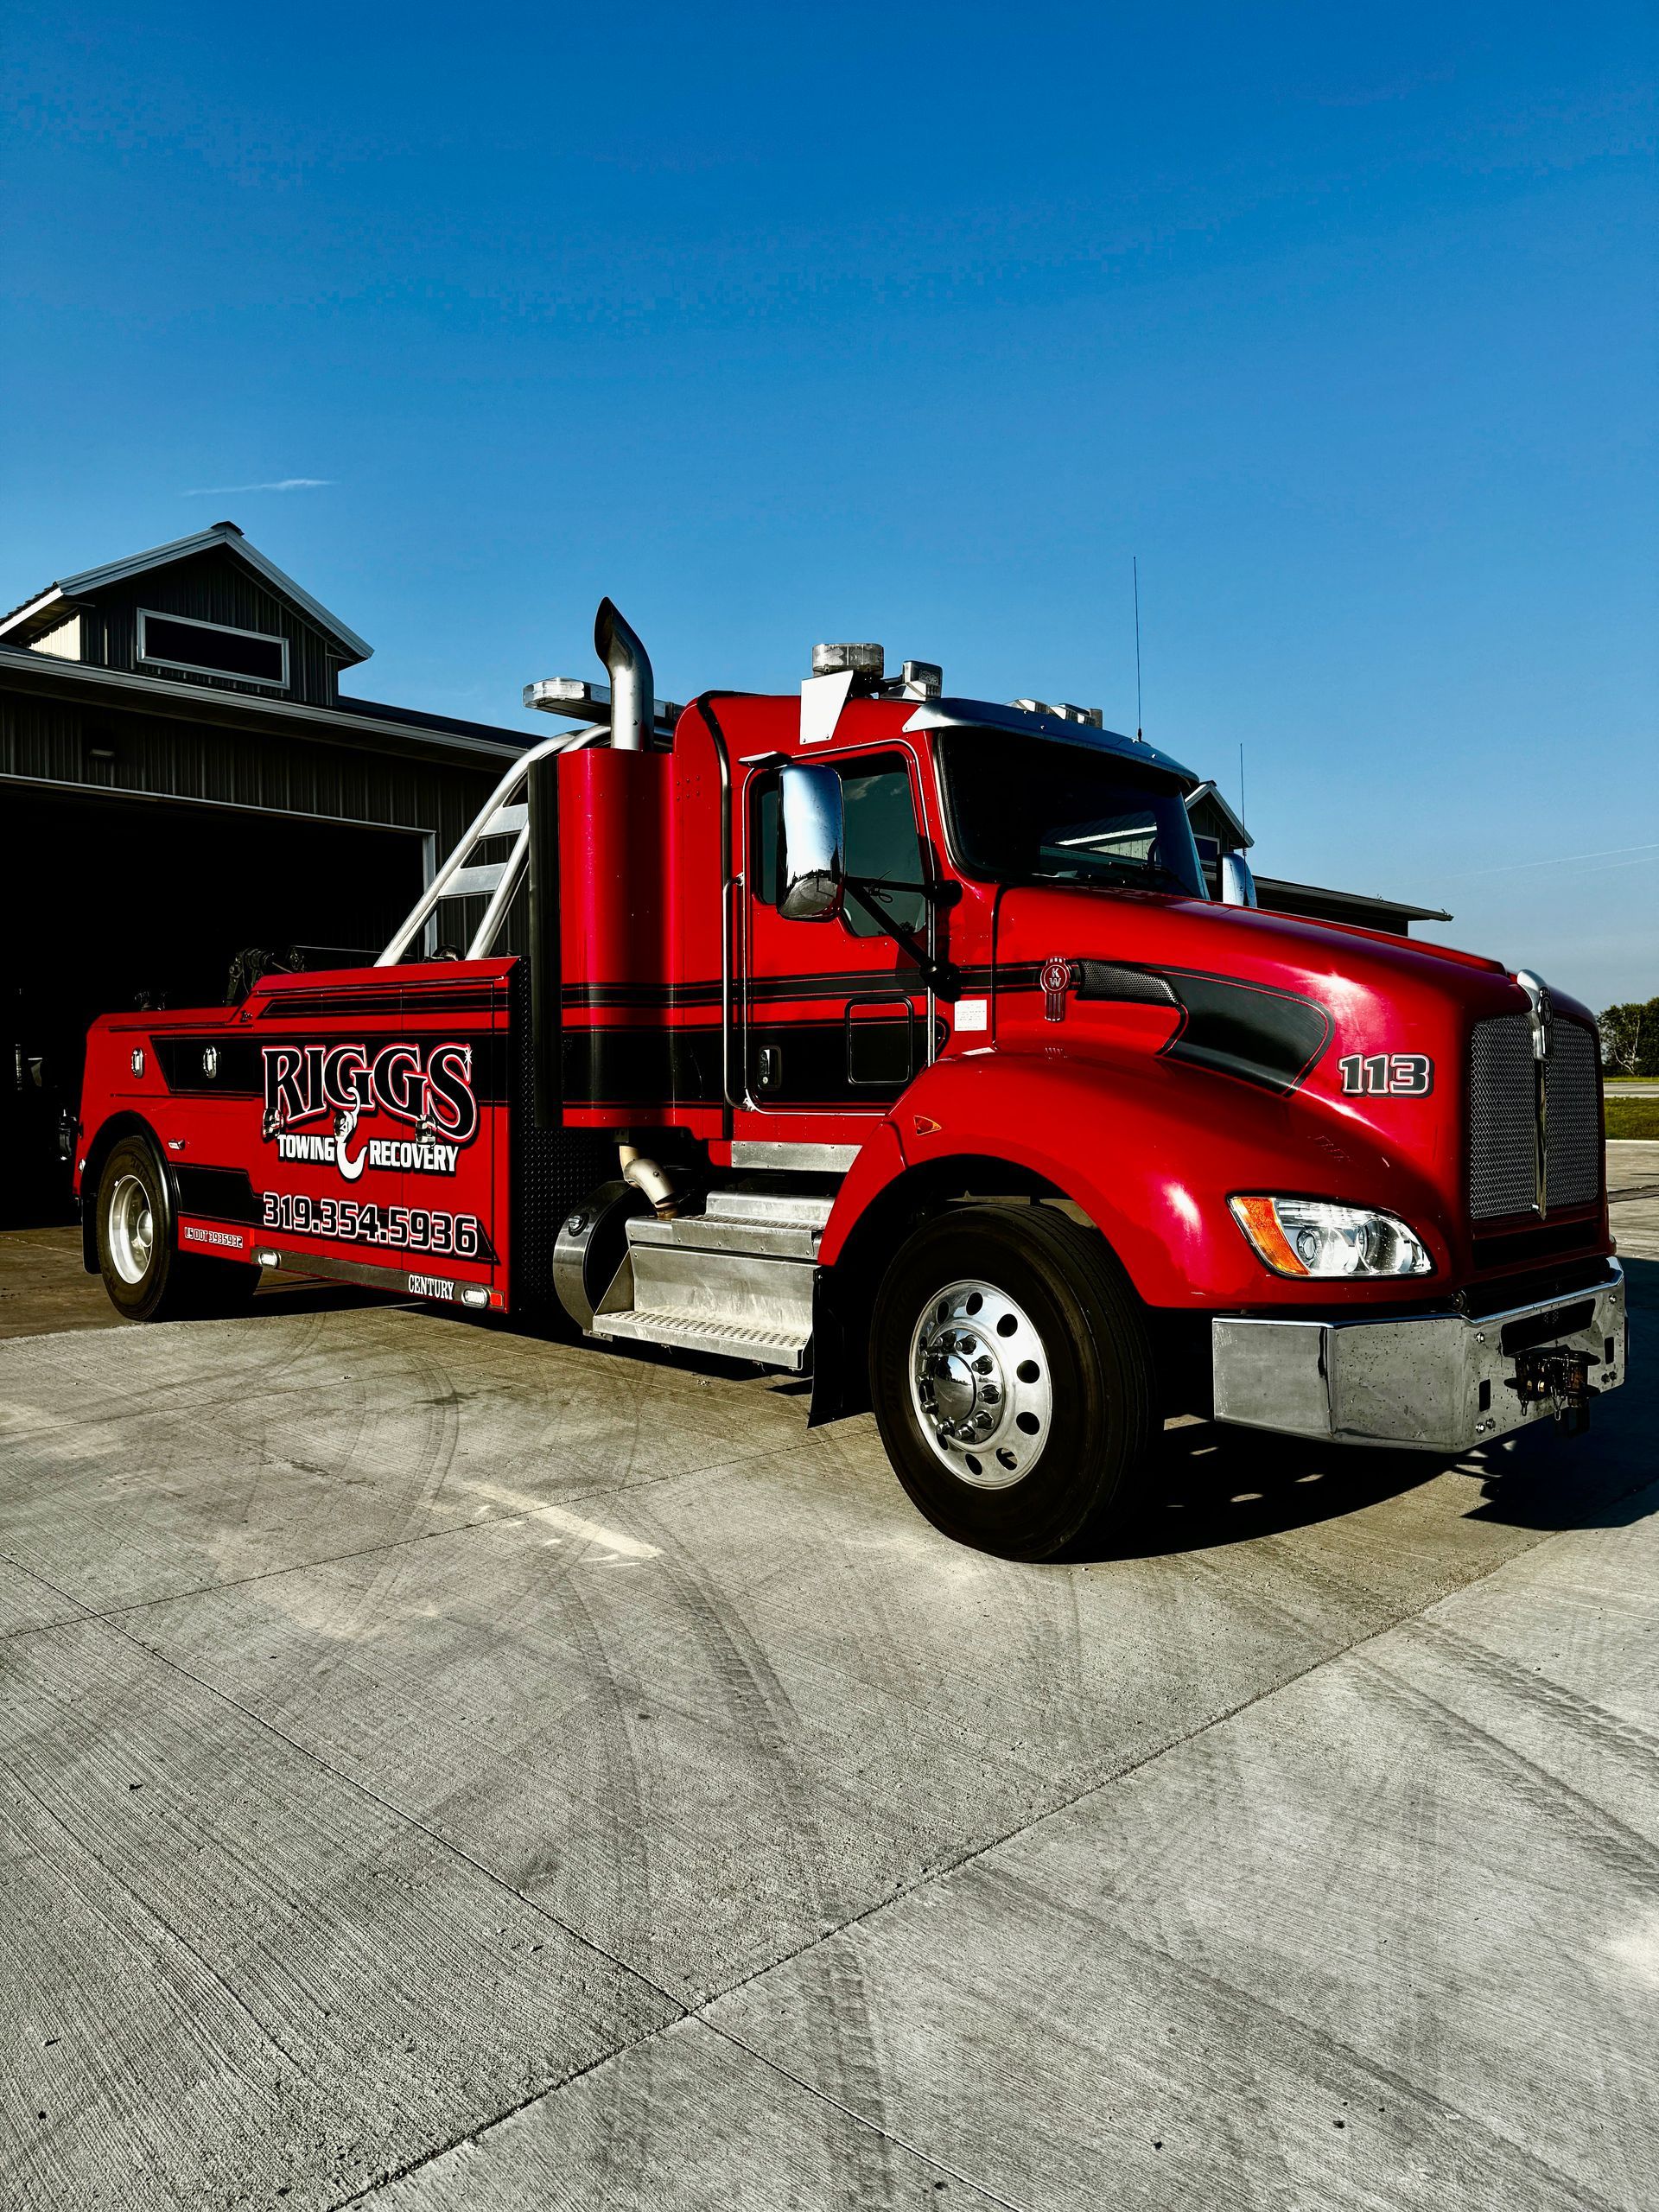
<point x="1012" y="1376"/>
<point x="148" y="1278"/>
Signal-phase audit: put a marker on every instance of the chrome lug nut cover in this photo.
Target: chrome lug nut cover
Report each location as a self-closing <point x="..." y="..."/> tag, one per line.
<point x="980" y="1386"/>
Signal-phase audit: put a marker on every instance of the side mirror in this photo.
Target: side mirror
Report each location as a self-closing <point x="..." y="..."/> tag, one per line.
<point x="1238" y="884"/>
<point x="811" y="831"/>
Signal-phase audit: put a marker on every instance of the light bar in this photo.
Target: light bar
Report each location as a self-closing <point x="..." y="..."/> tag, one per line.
<point x="590" y="702"/>
<point x="1063" y="711"/>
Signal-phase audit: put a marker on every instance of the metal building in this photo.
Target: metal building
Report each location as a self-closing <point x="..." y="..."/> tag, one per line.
<point x="180" y="778"/>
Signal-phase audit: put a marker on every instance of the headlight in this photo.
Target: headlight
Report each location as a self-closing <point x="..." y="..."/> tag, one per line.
<point x="1314" y="1236"/>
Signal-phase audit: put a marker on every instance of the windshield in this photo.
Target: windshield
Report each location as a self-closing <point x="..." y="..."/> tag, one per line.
<point x="1032" y="809"/>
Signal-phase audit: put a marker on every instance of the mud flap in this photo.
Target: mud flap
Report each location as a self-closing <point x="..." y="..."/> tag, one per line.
<point x="841" y="1380"/>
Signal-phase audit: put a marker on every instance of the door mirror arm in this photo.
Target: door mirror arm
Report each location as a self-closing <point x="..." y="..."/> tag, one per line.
<point x="941" y="977"/>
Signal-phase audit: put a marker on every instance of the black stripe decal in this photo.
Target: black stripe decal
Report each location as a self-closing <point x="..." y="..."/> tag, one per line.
<point x="1261" y="1036"/>
<point x="835" y="1063"/>
<point x="651" y="997"/>
<point x="393" y="999"/>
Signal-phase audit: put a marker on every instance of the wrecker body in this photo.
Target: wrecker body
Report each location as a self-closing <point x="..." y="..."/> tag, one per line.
<point x="896" y="1039"/>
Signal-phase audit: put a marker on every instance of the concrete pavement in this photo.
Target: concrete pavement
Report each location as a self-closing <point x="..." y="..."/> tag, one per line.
<point x="1633" y="1197"/>
<point x="441" y="1768"/>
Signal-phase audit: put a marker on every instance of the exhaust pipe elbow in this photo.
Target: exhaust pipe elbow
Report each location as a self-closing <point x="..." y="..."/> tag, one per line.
<point x="633" y="688"/>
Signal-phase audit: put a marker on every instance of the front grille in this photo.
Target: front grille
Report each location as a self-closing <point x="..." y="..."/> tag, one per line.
<point x="1575" y="1118"/>
<point x="1502" y="1118"/>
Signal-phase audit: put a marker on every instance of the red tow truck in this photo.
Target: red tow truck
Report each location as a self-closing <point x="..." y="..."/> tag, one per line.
<point x="896" y="1038"/>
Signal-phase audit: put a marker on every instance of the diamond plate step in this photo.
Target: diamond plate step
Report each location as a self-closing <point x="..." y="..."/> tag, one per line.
<point x="777" y="1208"/>
<point x="702" y="1333"/>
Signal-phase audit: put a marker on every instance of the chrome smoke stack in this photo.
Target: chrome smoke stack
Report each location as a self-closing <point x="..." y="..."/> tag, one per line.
<point x="633" y="702"/>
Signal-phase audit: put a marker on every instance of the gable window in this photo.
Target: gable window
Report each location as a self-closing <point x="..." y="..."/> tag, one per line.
<point x="212" y="649"/>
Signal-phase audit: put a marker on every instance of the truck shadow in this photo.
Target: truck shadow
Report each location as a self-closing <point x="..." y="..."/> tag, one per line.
<point x="1213" y="1485"/>
<point x="291" y="1294"/>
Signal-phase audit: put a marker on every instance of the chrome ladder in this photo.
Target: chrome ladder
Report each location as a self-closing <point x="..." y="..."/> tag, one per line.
<point x="505" y="815"/>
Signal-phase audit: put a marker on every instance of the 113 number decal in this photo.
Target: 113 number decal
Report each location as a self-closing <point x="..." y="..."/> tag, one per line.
<point x="1387" y="1075"/>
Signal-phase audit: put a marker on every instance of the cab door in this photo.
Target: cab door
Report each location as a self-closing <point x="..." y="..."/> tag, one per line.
<point x="833" y="1014"/>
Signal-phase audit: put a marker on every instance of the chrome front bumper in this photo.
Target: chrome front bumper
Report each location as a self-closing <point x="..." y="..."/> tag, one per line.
<point x="1437" y="1384"/>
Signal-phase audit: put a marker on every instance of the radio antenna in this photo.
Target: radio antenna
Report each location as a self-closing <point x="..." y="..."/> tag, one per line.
<point x="1241" y="779"/>
<point x="1134" y="567"/>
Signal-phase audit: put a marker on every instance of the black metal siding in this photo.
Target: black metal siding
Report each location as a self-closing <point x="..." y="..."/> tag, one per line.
<point x="163" y="759"/>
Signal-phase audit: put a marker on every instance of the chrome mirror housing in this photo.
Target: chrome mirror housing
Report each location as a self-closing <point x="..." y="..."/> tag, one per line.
<point x="811" y="831"/>
<point x="1238" y="884"/>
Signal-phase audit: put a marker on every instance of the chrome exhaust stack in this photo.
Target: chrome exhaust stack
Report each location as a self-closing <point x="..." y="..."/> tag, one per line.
<point x="633" y="700"/>
<point x="633" y="715"/>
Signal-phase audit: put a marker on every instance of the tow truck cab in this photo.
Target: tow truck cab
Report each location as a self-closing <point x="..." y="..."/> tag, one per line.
<point x="895" y="1036"/>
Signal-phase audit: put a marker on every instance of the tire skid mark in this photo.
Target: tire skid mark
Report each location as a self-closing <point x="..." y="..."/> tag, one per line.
<point x="424" y="1472"/>
<point x="1421" y="1973"/>
<point x="1552" y="1700"/>
<point x="760" y="1701"/>
<point x="1471" y="2142"/>
<point x="1597" y="1830"/>
<point x="626" y="1809"/>
<point x="75" y="1846"/>
<point x="672" y="2007"/>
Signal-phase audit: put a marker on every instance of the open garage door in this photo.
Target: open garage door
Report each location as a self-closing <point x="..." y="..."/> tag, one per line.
<point x="108" y="902"/>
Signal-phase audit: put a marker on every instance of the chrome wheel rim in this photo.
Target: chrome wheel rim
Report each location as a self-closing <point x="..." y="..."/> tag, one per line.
<point x="979" y="1384"/>
<point x="133" y="1229"/>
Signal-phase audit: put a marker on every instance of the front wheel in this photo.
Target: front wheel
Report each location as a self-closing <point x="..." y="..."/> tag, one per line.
<point x="148" y="1278"/>
<point x="1012" y="1378"/>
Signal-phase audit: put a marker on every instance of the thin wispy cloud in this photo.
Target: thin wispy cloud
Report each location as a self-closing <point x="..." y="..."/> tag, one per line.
<point x="1560" y="860"/>
<point x="282" y="484"/>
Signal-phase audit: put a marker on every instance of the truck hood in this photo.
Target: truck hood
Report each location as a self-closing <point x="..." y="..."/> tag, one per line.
<point x="1376" y="993"/>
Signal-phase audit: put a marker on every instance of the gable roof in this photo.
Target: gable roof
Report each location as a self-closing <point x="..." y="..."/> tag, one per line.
<point x="60" y="600"/>
<point x="1208" y="795"/>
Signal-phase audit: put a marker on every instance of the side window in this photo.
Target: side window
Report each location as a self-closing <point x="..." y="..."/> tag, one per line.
<point x="884" y="854"/>
<point x="883" y="849"/>
<point x="763" y="866"/>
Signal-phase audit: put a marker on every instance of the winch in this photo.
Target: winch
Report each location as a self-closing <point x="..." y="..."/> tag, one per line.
<point x="1554" y="1371"/>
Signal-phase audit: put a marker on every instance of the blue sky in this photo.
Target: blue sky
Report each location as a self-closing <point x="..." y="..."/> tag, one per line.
<point x="912" y="323"/>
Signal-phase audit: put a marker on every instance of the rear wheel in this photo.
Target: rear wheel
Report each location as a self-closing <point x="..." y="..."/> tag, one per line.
<point x="1011" y="1378"/>
<point x="148" y="1278"/>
